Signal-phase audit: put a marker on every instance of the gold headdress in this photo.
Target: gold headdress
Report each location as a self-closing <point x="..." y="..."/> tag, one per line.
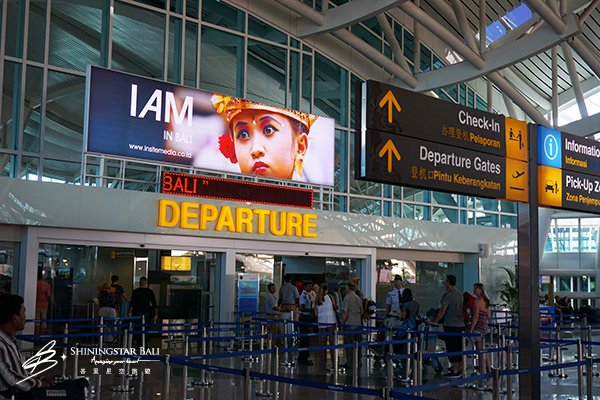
<point x="232" y="106"/>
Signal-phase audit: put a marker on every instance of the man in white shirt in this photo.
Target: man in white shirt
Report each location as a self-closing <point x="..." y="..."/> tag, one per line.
<point x="397" y="296"/>
<point x="272" y="311"/>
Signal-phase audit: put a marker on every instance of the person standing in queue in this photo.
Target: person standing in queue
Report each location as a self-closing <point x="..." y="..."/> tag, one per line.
<point x="272" y="311"/>
<point x="143" y="303"/>
<point x="451" y="312"/>
<point x="288" y="297"/>
<point x="307" y="318"/>
<point x="397" y="296"/>
<point x="352" y="309"/>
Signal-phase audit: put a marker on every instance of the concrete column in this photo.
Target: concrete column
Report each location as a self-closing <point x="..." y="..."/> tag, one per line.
<point x="227" y="294"/>
<point x="27" y="272"/>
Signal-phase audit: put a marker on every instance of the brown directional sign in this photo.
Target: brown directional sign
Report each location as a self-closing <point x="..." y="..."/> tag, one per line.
<point x="403" y="160"/>
<point x="394" y="110"/>
<point x="401" y="129"/>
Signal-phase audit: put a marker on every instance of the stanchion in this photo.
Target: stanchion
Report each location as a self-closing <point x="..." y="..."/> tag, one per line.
<point x="143" y="331"/>
<point x="590" y="352"/>
<point x="559" y="372"/>
<point x="390" y="370"/>
<point x="265" y="361"/>
<point x="204" y="381"/>
<point x="335" y="362"/>
<point x="463" y="347"/>
<point x="496" y="385"/>
<point x="580" y="368"/>
<point x="385" y="393"/>
<point x="589" y="379"/>
<point x="408" y="357"/>
<point x="76" y="362"/>
<point x="355" y="365"/>
<point x="124" y="386"/>
<point x="167" y="377"/>
<point x="247" y="384"/>
<point x="101" y="337"/>
<point x="419" y="365"/>
<point x="275" y="371"/>
<point x="64" y="356"/>
<point x="286" y="361"/>
<point x="184" y="373"/>
<point x="509" y="361"/>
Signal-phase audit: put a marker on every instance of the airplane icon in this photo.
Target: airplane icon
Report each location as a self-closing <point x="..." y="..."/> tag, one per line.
<point x="518" y="174"/>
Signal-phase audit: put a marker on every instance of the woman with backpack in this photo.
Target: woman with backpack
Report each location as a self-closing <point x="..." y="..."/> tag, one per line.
<point x="326" y="313"/>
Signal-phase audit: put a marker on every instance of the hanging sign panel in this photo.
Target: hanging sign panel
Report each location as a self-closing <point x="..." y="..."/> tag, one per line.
<point x="568" y="190"/>
<point x="569" y="152"/>
<point x="394" y="110"/>
<point x="407" y="161"/>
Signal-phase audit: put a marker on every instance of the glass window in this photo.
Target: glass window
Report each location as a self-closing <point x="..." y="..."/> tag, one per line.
<point x="416" y="195"/>
<point x="355" y="82"/>
<point x="266" y="77"/>
<point x="218" y="13"/>
<point x="174" y="61"/>
<point x="305" y="101"/>
<point x="32" y="109"/>
<point x="75" y="34"/>
<point x="176" y="6"/>
<point x="452" y="91"/>
<point x="7" y="165"/>
<point x="487" y="219"/>
<point x="190" y="54"/>
<point x="480" y="104"/>
<point x="63" y="138"/>
<point x="262" y="30"/>
<point x="61" y="171"/>
<point x="507" y="221"/>
<point x="508" y="206"/>
<point x="138" y="41"/>
<point x="365" y="206"/>
<point x="589" y="234"/>
<point x="425" y="59"/>
<point x="9" y="264"/>
<point x="37" y="30"/>
<point x="341" y="162"/>
<point x="191" y="8"/>
<point x="409" y="45"/>
<point x="415" y="211"/>
<point x="222" y="62"/>
<point x="30" y="168"/>
<point x="437" y="63"/>
<point x="340" y="203"/>
<point x="331" y="90"/>
<point x="368" y="36"/>
<point x="445" y="199"/>
<point x="11" y="88"/>
<point x="162" y="4"/>
<point x="439" y="214"/>
<point x="294" y="81"/>
<point x="15" y="18"/>
<point x="361" y="187"/>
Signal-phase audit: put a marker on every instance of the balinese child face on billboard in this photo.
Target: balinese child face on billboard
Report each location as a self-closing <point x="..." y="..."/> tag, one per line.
<point x="264" y="140"/>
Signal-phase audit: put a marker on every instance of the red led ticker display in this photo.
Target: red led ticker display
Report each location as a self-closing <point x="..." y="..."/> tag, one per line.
<point x="225" y="189"/>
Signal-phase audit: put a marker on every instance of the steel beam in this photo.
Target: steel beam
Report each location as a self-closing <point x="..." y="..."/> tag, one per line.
<point x="497" y="59"/>
<point x="548" y="15"/>
<point x="574" y="80"/>
<point x="388" y="32"/>
<point x="341" y="16"/>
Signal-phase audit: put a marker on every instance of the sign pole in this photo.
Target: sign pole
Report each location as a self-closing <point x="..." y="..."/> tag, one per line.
<point x="528" y="274"/>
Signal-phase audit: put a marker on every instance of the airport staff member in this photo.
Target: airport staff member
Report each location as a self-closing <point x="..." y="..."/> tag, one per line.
<point x="397" y="296"/>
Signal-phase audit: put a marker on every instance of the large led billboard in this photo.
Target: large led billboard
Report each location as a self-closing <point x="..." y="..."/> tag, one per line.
<point x="141" y="118"/>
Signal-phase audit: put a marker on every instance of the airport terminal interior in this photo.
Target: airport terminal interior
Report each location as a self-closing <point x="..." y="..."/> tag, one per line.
<point x="202" y="151"/>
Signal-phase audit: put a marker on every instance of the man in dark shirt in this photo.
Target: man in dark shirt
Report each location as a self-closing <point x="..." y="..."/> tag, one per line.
<point x="143" y="303"/>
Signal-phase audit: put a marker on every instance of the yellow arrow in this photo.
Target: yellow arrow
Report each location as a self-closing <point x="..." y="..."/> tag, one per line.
<point x="390" y="99"/>
<point x="390" y="149"/>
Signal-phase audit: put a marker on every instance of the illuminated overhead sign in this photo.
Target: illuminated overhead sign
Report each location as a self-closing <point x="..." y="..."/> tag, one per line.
<point x="418" y="163"/>
<point x="203" y="217"/>
<point x="141" y="118"/>
<point x="568" y="171"/>
<point x="411" y="139"/>
<point x="225" y="189"/>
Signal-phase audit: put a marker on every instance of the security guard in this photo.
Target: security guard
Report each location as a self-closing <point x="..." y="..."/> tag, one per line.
<point x="397" y="296"/>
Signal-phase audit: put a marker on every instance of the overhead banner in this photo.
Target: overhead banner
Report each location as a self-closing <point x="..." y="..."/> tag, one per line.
<point x="394" y="110"/>
<point x="142" y="118"/>
<point x="402" y="160"/>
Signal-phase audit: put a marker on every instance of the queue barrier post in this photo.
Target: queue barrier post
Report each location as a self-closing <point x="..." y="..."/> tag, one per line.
<point x="184" y="373"/>
<point x="204" y="380"/>
<point x="247" y="384"/>
<point x="275" y="371"/>
<point x="167" y="377"/>
<point x="143" y="331"/>
<point x="463" y="347"/>
<point x="101" y="337"/>
<point x="496" y="384"/>
<point x="263" y="390"/>
<point x="419" y="365"/>
<point x="124" y="386"/>
<point x="76" y="362"/>
<point x="580" y="368"/>
<point x="335" y="361"/>
<point x="408" y="358"/>
<point x="65" y="343"/>
<point x="390" y="370"/>
<point x="355" y="360"/>
<point x="558" y="372"/>
<point x="509" y="361"/>
<point x="589" y="379"/>
<point x="385" y="393"/>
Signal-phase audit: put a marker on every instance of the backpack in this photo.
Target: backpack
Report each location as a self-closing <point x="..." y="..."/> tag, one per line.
<point x="369" y="308"/>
